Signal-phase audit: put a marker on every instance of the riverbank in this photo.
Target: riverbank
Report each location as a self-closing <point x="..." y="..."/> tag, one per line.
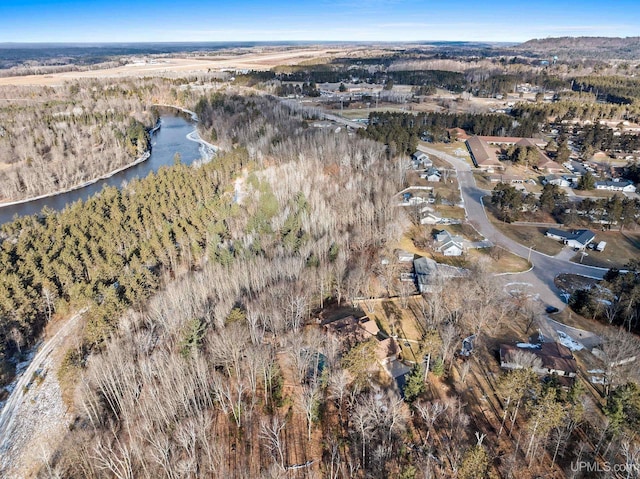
<point x="207" y="150"/>
<point x="177" y="134"/>
<point x="106" y="176"/>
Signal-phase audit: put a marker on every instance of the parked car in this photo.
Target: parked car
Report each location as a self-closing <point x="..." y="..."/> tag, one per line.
<point x="551" y="309"/>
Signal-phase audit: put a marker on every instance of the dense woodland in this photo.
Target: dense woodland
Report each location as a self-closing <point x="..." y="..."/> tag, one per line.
<point x="200" y="352"/>
<point x="52" y="139"/>
<point x="222" y="370"/>
<point x="402" y="131"/>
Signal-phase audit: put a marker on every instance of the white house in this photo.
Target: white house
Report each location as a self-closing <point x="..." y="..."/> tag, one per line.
<point x="626" y="186"/>
<point x="430" y="219"/>
<point x="451" y="248"/>
<point x="420" y="160"/>
<point x="432" y="174"/>
<point x="575" y="239"/>
<point x="561" y="180"/>
<point x="450" y="245"/>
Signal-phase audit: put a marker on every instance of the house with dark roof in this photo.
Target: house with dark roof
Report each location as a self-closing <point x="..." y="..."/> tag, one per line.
<point x="555" y="358"/>
<point x="428" y="272"/>
<point x="575" y="239"/>
<point x="616" y="185"/>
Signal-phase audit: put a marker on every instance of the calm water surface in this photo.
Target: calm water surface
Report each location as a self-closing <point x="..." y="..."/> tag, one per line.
<point x="170" y="139"/>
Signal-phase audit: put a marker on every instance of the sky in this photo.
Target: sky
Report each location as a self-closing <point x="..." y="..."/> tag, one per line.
<point x="317" y="20"/>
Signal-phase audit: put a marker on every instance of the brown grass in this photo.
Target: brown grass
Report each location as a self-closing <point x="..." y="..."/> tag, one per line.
<point x="526" y="235"/>
<point x="507" y="262"/>
<point x="251" y="60"/>
<point x="596" y="193"/>
<point x="621" y="248"/>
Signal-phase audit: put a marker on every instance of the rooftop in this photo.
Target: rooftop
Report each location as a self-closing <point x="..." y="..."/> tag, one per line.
<point x="554" y="356"/>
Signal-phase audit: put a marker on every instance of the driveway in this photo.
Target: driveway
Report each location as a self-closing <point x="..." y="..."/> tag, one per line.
<point x="545" y="268"/>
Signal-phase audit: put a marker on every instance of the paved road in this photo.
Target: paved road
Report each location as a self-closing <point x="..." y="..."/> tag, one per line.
<point x="545" y="268"/>
<point x="540" y="279"/>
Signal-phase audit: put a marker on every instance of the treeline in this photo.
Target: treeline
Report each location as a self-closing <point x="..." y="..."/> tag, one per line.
<point x="73" y="137"/>
<point x="596" y="137"/>
<point x="402" y="131"/>
<point x="514" y="205"/>
<point x="447" y="80"/>
<point x="107" y="252"/>
<point x="306" y="89"/>
<point x="54" y="138"/>
<point x="225" y="359"/>
<point x="572" y="109"/>
<point x="616" y="302"/>
<point x="612" y="89"/>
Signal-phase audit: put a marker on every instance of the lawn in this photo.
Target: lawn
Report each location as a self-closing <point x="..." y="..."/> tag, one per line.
<point x="454" y="212"/>
<point x="505" y="262"/>
<point x="525" y="235"/>
<point x="621" y="247"/>
<point x="597" y="193"/>
<point x="464" y="229"/>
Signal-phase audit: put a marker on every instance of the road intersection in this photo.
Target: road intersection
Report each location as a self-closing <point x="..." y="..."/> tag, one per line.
<point x="545" y="268"/>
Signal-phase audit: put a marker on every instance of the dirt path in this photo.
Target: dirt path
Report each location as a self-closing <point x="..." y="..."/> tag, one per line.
<point x="34" y="412"/>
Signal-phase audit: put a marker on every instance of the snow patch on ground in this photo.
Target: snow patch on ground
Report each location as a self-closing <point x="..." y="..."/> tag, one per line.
<point x="568" y="341"/>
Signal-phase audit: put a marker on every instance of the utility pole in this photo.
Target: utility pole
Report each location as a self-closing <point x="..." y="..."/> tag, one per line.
<point x="426" y="369"/>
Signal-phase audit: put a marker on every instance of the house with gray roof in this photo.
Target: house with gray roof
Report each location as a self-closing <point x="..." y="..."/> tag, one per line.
<point x="626" y="186"/>
<point x="432" y="174"/>
<point x="575" y="239"/>
<point x="449" y="245"/>
<point x="428" y="272"/>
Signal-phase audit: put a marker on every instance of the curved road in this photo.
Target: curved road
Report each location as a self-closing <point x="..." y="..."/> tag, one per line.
<point x="545" y="268"/>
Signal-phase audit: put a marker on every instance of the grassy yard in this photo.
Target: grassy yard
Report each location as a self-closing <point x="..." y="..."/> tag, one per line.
<point x="464" y="229"/>
<point x="525" y="235"/>
<point x="406" y="244"/>
<point x="482" y="181"/>
<point x="621" y="247"/>
<point x="597" y="193"/>
<point x="505" y="262"/>
<point x="454" y="212"/>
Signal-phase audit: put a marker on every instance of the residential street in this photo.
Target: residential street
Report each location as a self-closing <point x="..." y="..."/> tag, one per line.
<point x="545" y="268"/>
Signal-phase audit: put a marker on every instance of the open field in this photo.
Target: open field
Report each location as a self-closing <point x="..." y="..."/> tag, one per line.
<point x="258" y="59"/>
<point x="621" y="248"/>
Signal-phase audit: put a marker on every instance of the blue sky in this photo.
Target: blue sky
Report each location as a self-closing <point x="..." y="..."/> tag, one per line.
<point x="303" y="20"/>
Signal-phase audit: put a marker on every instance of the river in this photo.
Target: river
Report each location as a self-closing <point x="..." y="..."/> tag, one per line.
<point x="170" y="139"/>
